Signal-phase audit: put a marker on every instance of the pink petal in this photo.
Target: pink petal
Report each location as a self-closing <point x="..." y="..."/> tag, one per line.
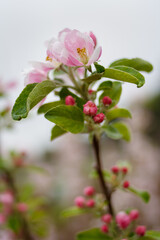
<point x="91" y="34"/>
<point x="95" y="56"/>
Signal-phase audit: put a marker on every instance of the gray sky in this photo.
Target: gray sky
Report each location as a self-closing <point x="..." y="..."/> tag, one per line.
<point x="124" y="28"/>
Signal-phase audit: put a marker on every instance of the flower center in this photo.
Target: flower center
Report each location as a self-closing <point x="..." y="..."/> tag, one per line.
<point x="48" y="59"/>
<point x="83" y="55"/>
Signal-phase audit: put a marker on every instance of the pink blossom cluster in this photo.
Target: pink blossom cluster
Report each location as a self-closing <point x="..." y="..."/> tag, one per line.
<point x="88" y="200"/>
<point x="91" y="109"/>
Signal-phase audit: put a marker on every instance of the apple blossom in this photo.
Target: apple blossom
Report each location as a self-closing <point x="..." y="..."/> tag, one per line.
<point x="73" y="48"/>
<point x="140" y="230"/>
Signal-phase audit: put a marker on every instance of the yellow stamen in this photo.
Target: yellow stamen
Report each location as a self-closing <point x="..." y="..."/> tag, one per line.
<point x="48" y="59"/>
<point x="83" y="55"/>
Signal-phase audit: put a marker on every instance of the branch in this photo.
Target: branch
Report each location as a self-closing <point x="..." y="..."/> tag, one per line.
<point x="99" y="169"/>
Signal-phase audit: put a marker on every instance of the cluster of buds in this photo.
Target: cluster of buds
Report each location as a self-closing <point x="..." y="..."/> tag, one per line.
<point x="123" y="220"/>
<point x="8" y="205"/>
<point x="106" y="219"/>
<point x="87" y="200"/>
<point x="90" y="109"/>
<point x="121" y="171"/>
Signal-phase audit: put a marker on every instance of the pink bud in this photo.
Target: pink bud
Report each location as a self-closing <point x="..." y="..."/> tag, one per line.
<point x="106" y="218"/>
<point x="123" y="220"/>
<point x="99" y="118"/>
<point x="124" y="170"/>
<point x="115" y="169"/>
<point x="104" y="228"/>
<point x="107" y="101"/>
<point x="22" y="207"/>
<point x="90" y="108"/>
<point x="2" y="218"/>
<point x="79" y="202"/>
<point x="140" y="230"/>
<point x="90" y="203"/>
<point x="89" y="191"/>
<point x="126" y="184"/>
<point x="134" y="214"/>
<point x="90" y="91"/>
<point x="69" y="100"/>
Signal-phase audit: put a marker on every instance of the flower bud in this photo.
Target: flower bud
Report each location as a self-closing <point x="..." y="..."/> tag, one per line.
<point x="69" y="100"/>
<point x="79" y="202"/>
<point x="104" y="228"/>
<point x="90" y="108"/>
<point x="115" y="169"/>
<point x="99" y="118"/>
<point x="140" y="230"/>
<point x="90" y="203"/>
<point x="123" y="220"/>
<point x="126" y="184"/>
<point x="107" y="101"/>
<point x="106" y="218"/>
<point x="134" y="214"/>
<point x="124" y="170"/>
<point x="22" y="207"/>
<point x="89" y="191"/>
<point x="90" y="91"/>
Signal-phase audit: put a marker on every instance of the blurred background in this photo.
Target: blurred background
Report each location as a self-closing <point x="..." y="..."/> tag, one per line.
<point x="124" y="29"/>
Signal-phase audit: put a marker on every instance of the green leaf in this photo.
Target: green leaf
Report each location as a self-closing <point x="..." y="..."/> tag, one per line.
<point x="142" y="194"/>
<point x="118" y="113"/>
<point x="123" y="130"/>
<point x="153" y="234"/>
<point x="48" y="106"/>
<point x="57" y="132"/>
<point x="99" y="68"/>
<point x="93" y="234"/>
<point x="69" y="118"/>
<point x="30" y="96"/>
<point x="125" y="74"/>
<point x="93" y="77"/>
<point x="136" y="63"/>
<point x="105" y="86"/>
<point x="65" y="92"/>
<point x="72" y="212"/>
<point x="112" y="132"/>
<point x="114" y="93"/>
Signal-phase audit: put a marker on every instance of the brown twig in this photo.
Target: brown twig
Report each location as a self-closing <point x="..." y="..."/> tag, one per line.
<point x="99" y="169"/>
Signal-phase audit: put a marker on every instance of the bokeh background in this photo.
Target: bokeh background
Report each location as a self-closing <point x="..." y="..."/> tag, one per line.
<point x="124" y="29"/>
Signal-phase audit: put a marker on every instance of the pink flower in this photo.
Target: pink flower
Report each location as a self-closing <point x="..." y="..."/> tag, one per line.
<point x="90" y="203"/>
<point x="6" y="198"/>
<point x="89" y="191"/>
<point x="80" y="202"/>
<point x="22" y="207"/>
<point x="99" y="118"/>
<point x="73" y="48"/>
<point x="90" y="108"/>
<point x="134" y="214"/>
<point x="106" y="218"/>
<point x="123" y="220"/>
<point x="39" y="72"/>
<point x="69" y="100"/>
<point x="141" y="230"/>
